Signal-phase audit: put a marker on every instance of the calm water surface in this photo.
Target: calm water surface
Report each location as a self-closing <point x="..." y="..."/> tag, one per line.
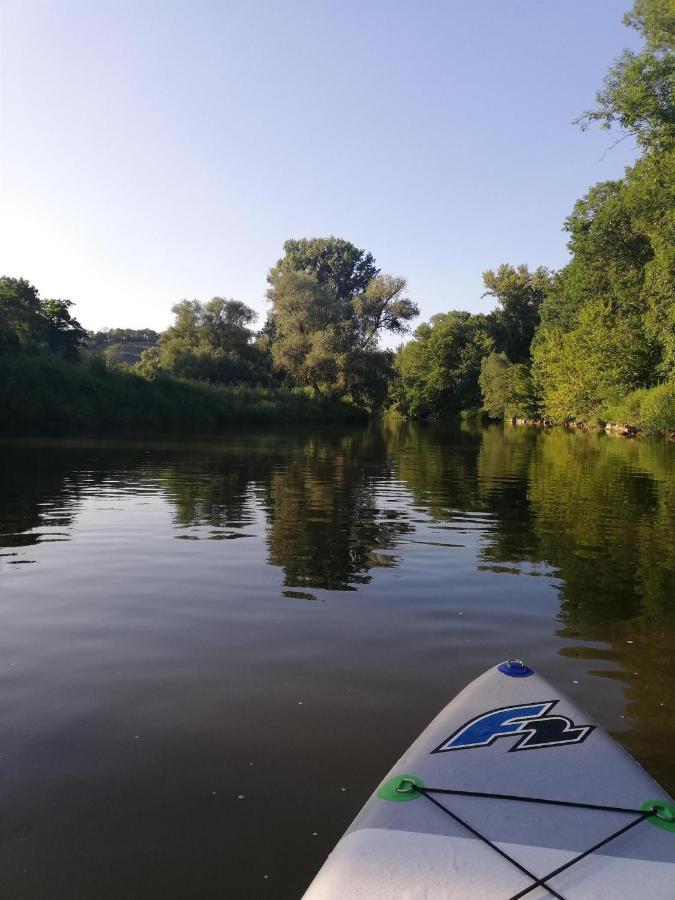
<point x="210" y="653"/>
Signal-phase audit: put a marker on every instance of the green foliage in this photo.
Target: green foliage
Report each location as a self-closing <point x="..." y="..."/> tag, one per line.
<point x="63" y="333"/>
<point x="20" y="322"/>
<point x="638" y="95"/>
<point x="329" y="308"/>
<point x="506" y="388"/>
<point x="381" y="307"/>
<point x="371" y="372"/>
<point x="335" y="263"/>
<point x="28" y="323"/>
<point x="655" y="20"/>
<point x="608" y="321"/>
<point x="208" y="342"/>
<point x="650" y="409"/>
<point x="438" y="370"/>
<point x="311" y="338"/>
<point x="46" y="394"/>
<point x="520" y="294"/>
<point x="579" y="371"/>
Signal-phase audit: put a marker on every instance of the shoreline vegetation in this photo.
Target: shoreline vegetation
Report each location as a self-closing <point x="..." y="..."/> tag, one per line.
<point x="46" y="396"/>
<point x="590" y="345"/>
<point x="621" y="429"/>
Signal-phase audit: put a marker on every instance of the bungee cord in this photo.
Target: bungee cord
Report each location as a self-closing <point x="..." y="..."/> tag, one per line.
<point x="640" y="816"/>
<point x="486" y="840"/>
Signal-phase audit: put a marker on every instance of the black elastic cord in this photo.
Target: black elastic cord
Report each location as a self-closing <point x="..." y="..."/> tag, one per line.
<point x="619" y="809"/>
<point x="537" y="882"/>
<point x="541" y="882"/>
<point x="487" y="841"/>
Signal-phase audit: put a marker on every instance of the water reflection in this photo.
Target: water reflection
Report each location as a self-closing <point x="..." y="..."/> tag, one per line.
<point x="328" y="526"/>
<point x="38" y="501"/>
<point x="211" y="494"/>
<point x="168" y="589"/>
<point x="596" y="511"/>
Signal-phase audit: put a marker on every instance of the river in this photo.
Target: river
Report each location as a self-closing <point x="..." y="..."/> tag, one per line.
<point x="211" y="652"/>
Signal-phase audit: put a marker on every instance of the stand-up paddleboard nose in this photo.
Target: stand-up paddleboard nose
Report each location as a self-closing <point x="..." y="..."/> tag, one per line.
<point x="511" y="792"/>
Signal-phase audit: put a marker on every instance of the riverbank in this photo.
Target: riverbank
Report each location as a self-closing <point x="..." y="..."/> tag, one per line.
<point x="646" y="412"/>
<point x="45" y="395"/>
<point x="620" y="429"/>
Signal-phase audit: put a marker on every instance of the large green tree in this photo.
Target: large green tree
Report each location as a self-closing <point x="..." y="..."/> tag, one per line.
<point x="210" y="342"/>
<point x="329" y="307"/>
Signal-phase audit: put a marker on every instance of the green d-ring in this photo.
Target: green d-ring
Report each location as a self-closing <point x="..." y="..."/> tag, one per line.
<point x="400" y="788"/>
<point x="665" y="814"/>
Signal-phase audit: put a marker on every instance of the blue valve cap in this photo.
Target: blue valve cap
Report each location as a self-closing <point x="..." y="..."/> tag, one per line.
<point x="516" y="668"/>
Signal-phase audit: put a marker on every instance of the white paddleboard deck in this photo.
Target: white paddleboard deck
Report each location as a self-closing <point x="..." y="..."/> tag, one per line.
<point x="509" y="733"/>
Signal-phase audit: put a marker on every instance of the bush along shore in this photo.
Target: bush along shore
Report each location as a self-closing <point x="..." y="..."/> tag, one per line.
<point x="622" y="429"/>
<point x="643" y="412"/>
<point x="46" y="395"/>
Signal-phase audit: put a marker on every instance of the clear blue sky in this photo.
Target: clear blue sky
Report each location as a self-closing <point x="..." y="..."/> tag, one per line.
<point x="155" y="150"/>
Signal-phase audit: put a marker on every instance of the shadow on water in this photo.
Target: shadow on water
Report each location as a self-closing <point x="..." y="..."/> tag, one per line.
<point x="180" y="719"/>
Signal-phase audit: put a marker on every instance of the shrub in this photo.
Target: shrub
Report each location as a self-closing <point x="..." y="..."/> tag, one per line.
<point x="650" y="409"/>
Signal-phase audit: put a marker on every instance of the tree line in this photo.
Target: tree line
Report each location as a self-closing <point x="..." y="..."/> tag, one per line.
<point x="329" y="306"/>
<point x="592" y="342"/>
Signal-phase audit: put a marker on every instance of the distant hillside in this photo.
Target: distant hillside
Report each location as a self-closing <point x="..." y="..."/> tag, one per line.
<point x="122" y="345"/>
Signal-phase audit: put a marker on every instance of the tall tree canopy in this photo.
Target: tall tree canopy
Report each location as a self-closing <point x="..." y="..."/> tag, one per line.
<point x="330" y="304"/>
<point x="334" y="262"/>
<point x="638" y="95"/>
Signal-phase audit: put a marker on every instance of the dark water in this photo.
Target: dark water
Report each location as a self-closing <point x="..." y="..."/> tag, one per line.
<point x="211" y="652"/>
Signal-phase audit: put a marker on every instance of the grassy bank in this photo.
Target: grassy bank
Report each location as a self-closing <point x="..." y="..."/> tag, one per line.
<point x="47" y="395"/>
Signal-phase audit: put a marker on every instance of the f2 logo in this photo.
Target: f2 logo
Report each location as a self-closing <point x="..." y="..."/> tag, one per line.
<point x="530" y="722"/>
